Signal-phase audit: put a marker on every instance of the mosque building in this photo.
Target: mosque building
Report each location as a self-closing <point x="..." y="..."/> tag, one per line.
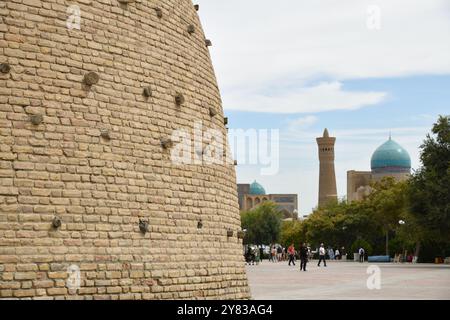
<point x="389" y="160"/>
<point x="252" y="195"/>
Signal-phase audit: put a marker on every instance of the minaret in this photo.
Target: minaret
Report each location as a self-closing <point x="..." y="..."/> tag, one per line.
<point x="327" y="177"/>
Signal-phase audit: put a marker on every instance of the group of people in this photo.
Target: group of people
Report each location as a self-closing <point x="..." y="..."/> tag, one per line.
<point x="278" y="253"/>
<point x="336" y="254"/>
<point x="405" y="257"/>
<point x="305" y="253"/>
<point x="252" y="255"/>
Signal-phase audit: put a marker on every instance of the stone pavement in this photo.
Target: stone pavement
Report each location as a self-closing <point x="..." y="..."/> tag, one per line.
<point x="348" y="280"/>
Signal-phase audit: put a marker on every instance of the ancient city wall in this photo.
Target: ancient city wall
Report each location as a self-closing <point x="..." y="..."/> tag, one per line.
<point x="84" y="121"/>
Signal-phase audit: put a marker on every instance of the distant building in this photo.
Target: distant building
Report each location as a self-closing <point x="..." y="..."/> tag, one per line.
<point x="252" y="195"/>
<point x="327" y="175"/>
<point x="388" y="160"/>
<point x="243" y="189"/>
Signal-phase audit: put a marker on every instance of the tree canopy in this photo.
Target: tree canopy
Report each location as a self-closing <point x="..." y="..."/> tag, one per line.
<point x="430" y="185"/>
<point x="263" y="224"/>
<point x="409" y="212"/>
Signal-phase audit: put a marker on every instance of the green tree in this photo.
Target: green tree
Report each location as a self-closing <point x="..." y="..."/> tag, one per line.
<point x="292" y="232"/>
<point x="320" y="227"/>
<point x="263" y="224"/>
<point x="388" y="203"/>
<point x="361" y="243"/>
<point x="341" y="224"/>
<point x="429" y="190"/>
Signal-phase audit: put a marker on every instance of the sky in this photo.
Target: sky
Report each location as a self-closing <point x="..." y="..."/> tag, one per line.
<point x="360" y="68"/>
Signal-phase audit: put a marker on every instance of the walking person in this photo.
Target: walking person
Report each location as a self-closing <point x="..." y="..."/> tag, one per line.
<point x="291" y="253"/>
<point x="361" y="254"/>
<point x="303" y="256"/>
<point x="337" y="254"/>
<point x="274" y="254"/>
<point x="322" y="254"/>
<point x="279" y="253"/>
<point x="310" y="254"/>
<point x="331" y="253"/>
<point x="253" y="254"/>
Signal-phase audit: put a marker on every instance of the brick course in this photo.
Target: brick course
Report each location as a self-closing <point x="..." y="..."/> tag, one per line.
<point x="101" y="188"/>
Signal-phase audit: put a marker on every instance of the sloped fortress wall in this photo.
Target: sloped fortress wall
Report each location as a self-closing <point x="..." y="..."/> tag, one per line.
<point x="85" y="115"/>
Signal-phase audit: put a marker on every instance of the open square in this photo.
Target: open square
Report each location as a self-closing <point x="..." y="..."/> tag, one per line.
<point x="348" y="280"/>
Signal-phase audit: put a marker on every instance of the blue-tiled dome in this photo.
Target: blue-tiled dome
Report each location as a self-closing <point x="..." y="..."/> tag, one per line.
<point x="257" y="189"/>
<point x="390" y="155"/>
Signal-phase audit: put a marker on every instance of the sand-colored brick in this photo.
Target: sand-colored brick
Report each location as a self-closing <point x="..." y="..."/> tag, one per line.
<point x="101" y="187"/>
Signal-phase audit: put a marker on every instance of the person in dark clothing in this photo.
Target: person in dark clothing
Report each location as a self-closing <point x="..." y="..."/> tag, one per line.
<point x="303" y="256"/>
<point x="279" y="253"/>
<point x="250" y="256"/>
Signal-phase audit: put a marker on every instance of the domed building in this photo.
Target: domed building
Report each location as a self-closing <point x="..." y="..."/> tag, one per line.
<point x="252" y="195"/>
<point x="389" y="160"/>
<point x="256" y="189"/>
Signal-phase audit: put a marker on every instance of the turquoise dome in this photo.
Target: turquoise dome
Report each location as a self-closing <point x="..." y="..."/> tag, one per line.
<point x="257" y="189"/>
<point x="390" y="155"/>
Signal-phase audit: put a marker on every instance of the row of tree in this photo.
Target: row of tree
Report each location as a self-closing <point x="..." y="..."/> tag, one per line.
<point x="412" y="215"/>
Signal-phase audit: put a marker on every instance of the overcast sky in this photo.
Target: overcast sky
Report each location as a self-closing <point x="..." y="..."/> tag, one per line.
<point x="301" y="65"/>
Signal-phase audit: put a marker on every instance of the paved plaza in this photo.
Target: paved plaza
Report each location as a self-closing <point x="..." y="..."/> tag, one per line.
<point x="348" y="280"/>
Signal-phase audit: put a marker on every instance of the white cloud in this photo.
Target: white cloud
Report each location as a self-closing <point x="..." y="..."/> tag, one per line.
<point x="259" y="40"/>
<point x="327" y="96"/>
<point x="423" y="116"/>
<point x="267" y="54"/>
<point x="302" y="123"/>
<point x="260" y="44"/>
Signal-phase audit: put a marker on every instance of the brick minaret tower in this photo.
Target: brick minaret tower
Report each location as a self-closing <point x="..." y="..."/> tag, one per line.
<point x="327" y="179"/>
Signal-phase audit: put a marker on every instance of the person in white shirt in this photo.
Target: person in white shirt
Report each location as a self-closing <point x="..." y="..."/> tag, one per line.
<point x="361" y="254"/>
<point x="322" y="255"/>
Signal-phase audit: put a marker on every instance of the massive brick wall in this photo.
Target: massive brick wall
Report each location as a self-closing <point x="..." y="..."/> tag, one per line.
<point x="99" y="187"/>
